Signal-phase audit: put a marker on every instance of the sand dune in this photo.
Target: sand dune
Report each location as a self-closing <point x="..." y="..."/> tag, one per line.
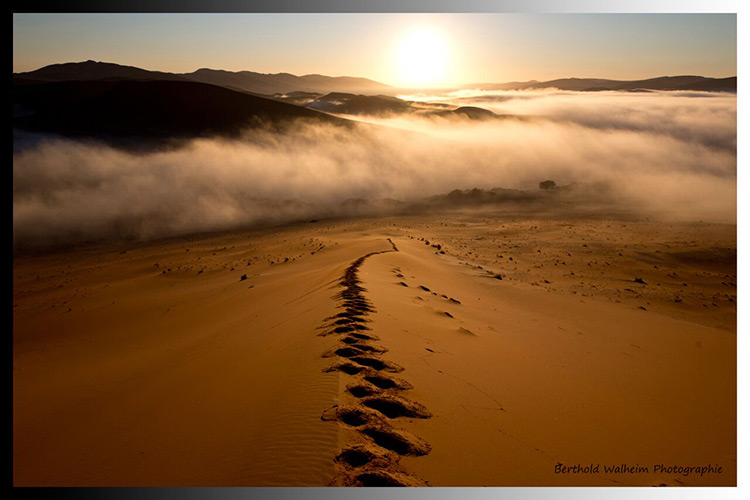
<point x="444" y="350"/>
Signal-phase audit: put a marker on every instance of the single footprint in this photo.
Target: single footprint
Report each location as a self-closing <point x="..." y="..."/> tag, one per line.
<point x="370" y="348"/>
<point x="395" y="407"/>
<point x="345" y="367"/>
<point x="355" y="416"/>
<point x="377" y="364"/>
<point x="348" y="352"/>
<point x="362" y="390"/>
<point x="379" y="478"/>
<point x="385" y="382"/>
<point x="401" y="442"/>
<point x="358" y="455"/>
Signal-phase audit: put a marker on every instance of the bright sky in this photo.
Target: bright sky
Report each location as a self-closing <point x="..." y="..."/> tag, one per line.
<point x="429" y="50"/>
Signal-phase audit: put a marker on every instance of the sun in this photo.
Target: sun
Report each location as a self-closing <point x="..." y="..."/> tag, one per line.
<point x="422" y="59"/>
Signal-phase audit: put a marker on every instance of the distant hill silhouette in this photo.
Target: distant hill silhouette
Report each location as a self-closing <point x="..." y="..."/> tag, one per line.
<point x="470" y="112"/>
<point x="712" y="84"/>
<point x="147" y="109"/>
<point x="246" y="81"/>
<point x="92" y="70"/>
<point x="268" y="84"/>
<point x="353" y="104"/>
<point x="597" y="84"/>
<point x="382" y="105"/>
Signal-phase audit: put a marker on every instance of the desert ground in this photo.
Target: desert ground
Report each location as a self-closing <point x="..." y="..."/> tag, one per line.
<point x="449" y="349"/>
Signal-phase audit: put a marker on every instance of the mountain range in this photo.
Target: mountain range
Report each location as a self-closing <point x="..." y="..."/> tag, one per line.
<point x="245" y="81"/>
<point x="699" y="83"/>
<point x="284" y="83"/>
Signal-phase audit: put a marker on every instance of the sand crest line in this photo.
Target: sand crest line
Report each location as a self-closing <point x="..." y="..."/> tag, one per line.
<point x="373" y="458"/>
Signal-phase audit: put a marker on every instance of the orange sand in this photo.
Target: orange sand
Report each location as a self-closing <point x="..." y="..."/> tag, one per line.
<point x="155" y="364"/>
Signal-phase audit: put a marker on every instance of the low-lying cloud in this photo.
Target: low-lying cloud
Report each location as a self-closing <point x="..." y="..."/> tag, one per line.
<point x="670" y="154"/>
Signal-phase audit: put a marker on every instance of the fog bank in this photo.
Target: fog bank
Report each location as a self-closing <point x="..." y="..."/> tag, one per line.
<point x="666" y="154"/>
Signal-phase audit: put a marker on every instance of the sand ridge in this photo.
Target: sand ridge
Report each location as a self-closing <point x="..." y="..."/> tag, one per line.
<point x="372" y="458"/>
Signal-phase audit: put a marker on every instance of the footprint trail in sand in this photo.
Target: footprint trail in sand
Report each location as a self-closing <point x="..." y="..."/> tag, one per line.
<point x="372" y="458"/>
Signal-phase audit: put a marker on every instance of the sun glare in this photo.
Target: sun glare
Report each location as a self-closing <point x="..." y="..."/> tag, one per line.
<point x="422" y="59"/>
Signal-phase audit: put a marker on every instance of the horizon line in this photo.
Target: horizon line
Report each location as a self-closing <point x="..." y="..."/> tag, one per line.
<point x="440" y="87"/>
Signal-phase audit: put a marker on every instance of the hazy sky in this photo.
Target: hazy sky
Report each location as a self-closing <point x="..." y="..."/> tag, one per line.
<point x="398" y="49"/>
